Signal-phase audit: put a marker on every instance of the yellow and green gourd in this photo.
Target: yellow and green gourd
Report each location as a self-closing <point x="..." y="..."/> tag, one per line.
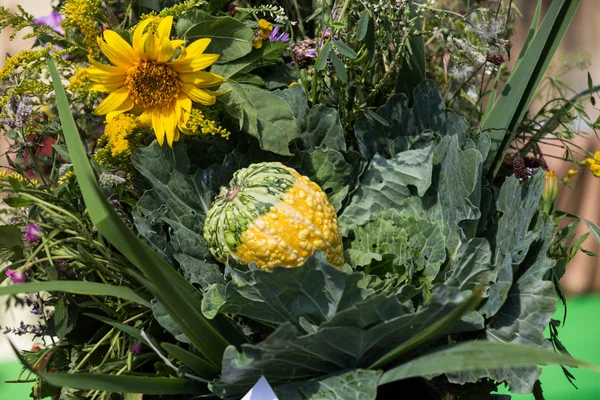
<point x="271" y="215"/>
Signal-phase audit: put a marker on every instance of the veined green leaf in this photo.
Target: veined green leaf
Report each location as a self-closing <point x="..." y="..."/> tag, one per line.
<point x="322" y="57"/>
<point x="363" y="25"/>
<point x="229" y="38"/>
<point x="76" y="287"/>
<point x="594" y="229"/>
<point x="344" y="49"/>
<point x="479" y="355"/>
<point x="504" y="119"/>
<point x="179" y="297"/>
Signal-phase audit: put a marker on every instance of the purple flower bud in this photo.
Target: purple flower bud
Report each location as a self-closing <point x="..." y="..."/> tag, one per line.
<point x="275" y="36"/>
<point x="53" y="20"/>
<point x="32" y="233"/>
<point x="17" y="277"/>
<point x="137" y="348"/>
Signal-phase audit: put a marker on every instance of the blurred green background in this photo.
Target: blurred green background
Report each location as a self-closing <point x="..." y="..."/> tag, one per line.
<point x="580" y="335"/>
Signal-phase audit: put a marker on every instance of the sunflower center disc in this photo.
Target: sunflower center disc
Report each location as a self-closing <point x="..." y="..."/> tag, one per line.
<point x="152" y="84"/>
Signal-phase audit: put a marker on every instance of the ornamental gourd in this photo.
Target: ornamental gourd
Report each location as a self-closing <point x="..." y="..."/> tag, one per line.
<point x="272" y="216"/>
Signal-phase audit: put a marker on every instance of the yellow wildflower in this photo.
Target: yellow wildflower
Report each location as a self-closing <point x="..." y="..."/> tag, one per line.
<point x="80" y="14"/>
<point x="148" y="82"/>
<point x="292" y="84"/>
<point x="594" y="164"/>
<point x="80" y="81"/>
<point x="20" y="178"/>
<point x="264" y="28"/>
<point x="198" y="123"/>
<point x="257" y="42"/>
<point x="567" y="178"/>
<point x="117" y="131"/>
<point x="65" y="177"/>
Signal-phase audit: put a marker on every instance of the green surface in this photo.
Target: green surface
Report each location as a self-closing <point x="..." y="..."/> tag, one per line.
<point x="13" y="391"/>
<point x="580" y="336"/>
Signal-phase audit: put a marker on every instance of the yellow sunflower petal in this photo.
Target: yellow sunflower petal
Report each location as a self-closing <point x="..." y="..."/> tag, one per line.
<point x="193" y="65"/>
<point x="113" y="101"/>
<point x="118" y="51"/>
<point x="126" y="106"/>
<point x="106" y="87"/>
<point x="138" y="36"/>
<point x="197" y="47"/>
<point x="145" y="118"/>
<point x="157" y="125"/>
<point x="202" y="79"/>
<point x="109" y="69"/>
<point x="185" y="102"/>
<point x="199" y="95"/>
<point x="169" y="123"/>
<point x="165" y="49"/>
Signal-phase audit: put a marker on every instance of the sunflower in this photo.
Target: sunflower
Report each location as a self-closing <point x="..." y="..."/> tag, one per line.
<point x="155" y="78"/>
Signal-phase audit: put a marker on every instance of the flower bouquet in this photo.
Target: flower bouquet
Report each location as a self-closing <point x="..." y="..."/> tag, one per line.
<point x="348" y="199"/>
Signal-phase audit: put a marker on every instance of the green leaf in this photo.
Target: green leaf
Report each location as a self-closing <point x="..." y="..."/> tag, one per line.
<point x="270" y="53"/>
<point x="183" y="200"/>
<point x="199" y="272"/>
<point x="329" y="169"/>
<point x="228" y="37"/>
<point x="355" y="337"/>
<point x="284" y="294"/>
<point x="363" y="25"/>
<point x="276" y="125"/>
<point x="594" y="229"/>
<point x="16" y="202"/>
<point x="359" y="384"/>
<point x="344" y="49"/>
<point x="64" y="320"/>
<point x="238" y="106"/>
<point x="321" y="61"/>
<point x="11" y="245"/>
<point x="319" y="126"/>
<point x="76" y="287"/>
<point x="478" y="355"/>
<point x="193" y="362"/>
<point x="512" y="237"/>
<point x="458" y="189"/>
<point x="385" y="184"/>
<point x="511" y="106"/>
<point x="527" y="311"/>
<point x="340" y="68"/>
<point x="171" y="289"/>
<point x="408" y="127"/>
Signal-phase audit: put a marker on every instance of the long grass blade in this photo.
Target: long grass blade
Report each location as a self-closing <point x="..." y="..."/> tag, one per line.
<point x="76" y="287"/>
<point x="179" y="298"/>
<point x="510" y="108"/>
<point x="479" y="355"/>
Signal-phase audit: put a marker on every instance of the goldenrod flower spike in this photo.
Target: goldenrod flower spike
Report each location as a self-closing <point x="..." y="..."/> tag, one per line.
<point x="146" y="80"/>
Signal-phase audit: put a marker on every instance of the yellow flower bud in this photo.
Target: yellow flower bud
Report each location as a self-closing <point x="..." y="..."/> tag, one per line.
<point x="548" y="202"/>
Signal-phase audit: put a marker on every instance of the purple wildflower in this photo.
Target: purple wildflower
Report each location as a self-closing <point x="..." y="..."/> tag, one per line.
<point x="137" y="348"/>
<point x="32" y="233"/>
<point x="275" y="36"/>
<point x="17" y="277"/>
<point x="305" y="52"/>
<point x="53" y="20"/>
